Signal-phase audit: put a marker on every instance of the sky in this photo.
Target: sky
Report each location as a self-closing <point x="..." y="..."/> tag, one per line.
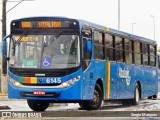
<point x="103" y="12"/>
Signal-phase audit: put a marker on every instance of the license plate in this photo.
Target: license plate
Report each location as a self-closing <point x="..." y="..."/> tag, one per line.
<point x="39" y="92"/>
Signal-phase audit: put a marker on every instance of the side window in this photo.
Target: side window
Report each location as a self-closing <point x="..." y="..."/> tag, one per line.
<point x="141" y="53"/>
<point x="128" y="51"/>
<point x="119" y="49"/>
<point x="137" y="52"/>
<point x="110" y="51"/>
<point x="98" y="45"/>
<point x="158" y="61"/>
<point x="152" y="55"/>
<point x="145" y="50"/>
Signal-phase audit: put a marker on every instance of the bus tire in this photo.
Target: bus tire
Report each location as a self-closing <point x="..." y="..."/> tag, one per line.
<point x="150" y="97"/>
<point x="38" y="105"/>
<point x="136" y="95"/>
<point x="81" y="104"/>
<point x="126" y="102"/>
<point x="155" y="97"/>
<point x="94" y="104"/>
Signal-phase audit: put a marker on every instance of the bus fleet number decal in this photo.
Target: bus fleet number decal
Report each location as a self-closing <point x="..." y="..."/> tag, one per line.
<point x="53" y="80"/>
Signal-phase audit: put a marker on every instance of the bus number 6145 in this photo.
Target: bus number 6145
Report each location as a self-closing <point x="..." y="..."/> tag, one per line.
<point x="53" y="80"/>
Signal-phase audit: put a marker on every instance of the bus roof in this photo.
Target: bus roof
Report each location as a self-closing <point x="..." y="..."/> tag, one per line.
<point x="117" y="32"/>
<point x="100" y="27"/>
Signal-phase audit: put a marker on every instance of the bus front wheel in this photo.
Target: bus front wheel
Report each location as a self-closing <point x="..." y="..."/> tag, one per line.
<point x="94" y="104"/>
<point x="38" y="105"/>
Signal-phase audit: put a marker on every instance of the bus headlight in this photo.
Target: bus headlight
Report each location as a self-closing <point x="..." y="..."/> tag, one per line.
<point x="70" y="82"/>
<point x="65" y="84"/>
<point x="15" y="83"/>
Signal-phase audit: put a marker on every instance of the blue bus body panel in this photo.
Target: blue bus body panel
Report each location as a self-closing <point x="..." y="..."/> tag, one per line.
<point x="119" y="84"/>
<point x="122" y="86"/>
<point x="87" y="92"/>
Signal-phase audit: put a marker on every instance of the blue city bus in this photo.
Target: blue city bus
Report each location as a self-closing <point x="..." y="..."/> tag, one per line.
<point x="65" y="60"/>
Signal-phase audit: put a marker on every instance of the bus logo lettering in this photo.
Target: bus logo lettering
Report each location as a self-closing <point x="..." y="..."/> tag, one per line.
<point x="125" y="74"/>
<point x="40" y="80"/>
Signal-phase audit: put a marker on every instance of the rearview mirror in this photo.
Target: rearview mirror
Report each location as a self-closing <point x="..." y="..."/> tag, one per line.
<point x="4" y="46"/>
<point x="88" y="45"/>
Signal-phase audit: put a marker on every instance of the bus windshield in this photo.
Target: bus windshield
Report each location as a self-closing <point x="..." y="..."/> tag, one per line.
<point x="45" y="51"/>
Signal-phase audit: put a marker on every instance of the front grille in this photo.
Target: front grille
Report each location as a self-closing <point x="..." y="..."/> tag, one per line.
<point x="30" y="72"/>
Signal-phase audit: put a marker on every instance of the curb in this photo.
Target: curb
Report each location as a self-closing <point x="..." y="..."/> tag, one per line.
<point x="4" y="97"/>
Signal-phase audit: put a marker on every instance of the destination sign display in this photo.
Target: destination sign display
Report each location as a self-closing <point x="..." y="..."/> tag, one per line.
<point x="44" y="24"/>
<point x="27" y="38"/>
<point x="41" y="24"/>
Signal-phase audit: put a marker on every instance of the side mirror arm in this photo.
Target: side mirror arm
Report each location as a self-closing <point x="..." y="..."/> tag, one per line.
<point x="7" y="36"/>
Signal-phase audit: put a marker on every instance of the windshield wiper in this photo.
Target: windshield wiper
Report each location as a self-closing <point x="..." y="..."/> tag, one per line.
<point x="19" y="40"/>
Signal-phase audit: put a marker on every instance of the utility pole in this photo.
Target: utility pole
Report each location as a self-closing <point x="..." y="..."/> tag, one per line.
<point x="154" y="33"/>
<point x="132" y="26"/>
<point x="3" y="82"/>
<point x="118" y="14"/>
<point x="4" y="61"/>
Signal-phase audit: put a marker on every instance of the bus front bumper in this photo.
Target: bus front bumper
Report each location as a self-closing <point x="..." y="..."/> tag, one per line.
<point x="72" y="92"/>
